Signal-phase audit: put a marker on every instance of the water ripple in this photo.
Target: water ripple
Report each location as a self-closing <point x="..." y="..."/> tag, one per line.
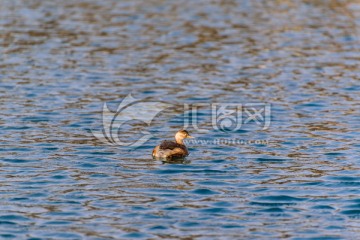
<point x="62" y="61"/>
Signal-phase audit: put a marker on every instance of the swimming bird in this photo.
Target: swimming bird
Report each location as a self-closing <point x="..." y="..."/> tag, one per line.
<point x="172" y="149"/>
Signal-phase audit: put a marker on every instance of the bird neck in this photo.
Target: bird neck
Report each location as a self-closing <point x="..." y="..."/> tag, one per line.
<point x="179" y="141"/>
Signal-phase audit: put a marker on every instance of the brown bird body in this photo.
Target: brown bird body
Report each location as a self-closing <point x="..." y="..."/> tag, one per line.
<point x="172" y="149"/>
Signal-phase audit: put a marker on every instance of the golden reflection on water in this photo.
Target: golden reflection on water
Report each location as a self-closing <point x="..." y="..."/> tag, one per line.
<point x="61" y="60"/>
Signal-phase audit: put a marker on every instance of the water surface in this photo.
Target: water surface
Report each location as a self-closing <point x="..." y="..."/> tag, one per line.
<point x="61" y="60"/>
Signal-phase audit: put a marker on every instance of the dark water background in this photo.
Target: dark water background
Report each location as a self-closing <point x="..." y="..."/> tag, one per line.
<point x="61" y="60"/>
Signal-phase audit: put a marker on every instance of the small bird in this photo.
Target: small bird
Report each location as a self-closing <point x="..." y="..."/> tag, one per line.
<point x="170" y="149"/>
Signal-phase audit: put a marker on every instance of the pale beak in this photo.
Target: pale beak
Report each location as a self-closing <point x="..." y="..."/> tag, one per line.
<point x="188" y="136"/>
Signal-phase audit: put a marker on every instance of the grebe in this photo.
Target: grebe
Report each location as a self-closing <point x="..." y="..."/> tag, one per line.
<point x="170" y="149"/>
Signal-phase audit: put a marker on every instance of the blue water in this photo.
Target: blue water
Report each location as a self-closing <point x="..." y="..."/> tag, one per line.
<point x="62" y="60"/>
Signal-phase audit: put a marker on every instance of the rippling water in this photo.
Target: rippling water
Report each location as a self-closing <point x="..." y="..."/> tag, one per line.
<point x="62" y="60"/>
